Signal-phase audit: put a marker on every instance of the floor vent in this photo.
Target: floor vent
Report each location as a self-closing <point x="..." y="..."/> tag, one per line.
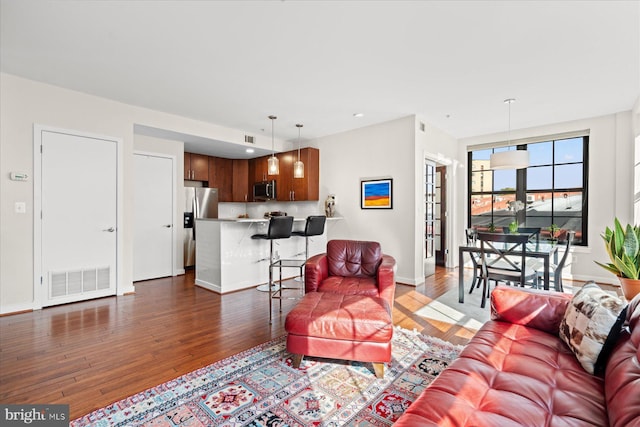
<point x="74" y="282"/>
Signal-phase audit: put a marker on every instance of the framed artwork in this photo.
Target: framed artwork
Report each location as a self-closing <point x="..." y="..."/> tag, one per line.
<point x="376" y="194"/>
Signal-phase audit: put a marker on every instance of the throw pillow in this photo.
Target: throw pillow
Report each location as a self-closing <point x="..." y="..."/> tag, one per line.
<point x="591" y="326"/>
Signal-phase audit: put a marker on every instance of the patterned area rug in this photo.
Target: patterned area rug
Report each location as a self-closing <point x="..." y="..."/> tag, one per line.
<point x="259" y="387"/>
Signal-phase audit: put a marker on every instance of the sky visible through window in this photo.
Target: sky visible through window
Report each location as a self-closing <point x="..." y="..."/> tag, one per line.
<point x="540" y="173"/>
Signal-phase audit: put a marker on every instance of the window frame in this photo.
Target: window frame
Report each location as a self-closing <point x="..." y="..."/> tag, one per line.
<point x="521" y="183"/>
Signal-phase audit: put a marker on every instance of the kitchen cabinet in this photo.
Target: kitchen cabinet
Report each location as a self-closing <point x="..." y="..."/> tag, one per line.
<point x="300" y="189"/>
<point x="307" y="188"/>
<point x="221" y="177"/>
<point x="241" y="186"/>
<point x="284" y="180"/>
<point x="196" y="167"/>
<point x="258" y="169"/>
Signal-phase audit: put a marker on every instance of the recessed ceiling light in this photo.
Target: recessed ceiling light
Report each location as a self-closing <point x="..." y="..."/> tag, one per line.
<point x="358" y="115"/>
<point x="250" y="150"/>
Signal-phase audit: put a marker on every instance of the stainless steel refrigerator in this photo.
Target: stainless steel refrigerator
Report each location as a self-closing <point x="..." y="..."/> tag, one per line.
<point x="199" y="203"/>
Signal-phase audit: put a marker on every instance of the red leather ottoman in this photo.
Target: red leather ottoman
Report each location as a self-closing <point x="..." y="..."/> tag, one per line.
<point x="332" y="325"/>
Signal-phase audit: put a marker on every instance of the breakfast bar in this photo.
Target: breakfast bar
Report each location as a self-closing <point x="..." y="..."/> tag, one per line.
<point x="228" y="259"/>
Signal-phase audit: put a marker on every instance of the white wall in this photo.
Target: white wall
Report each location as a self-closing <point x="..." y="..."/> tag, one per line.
<point x="611" y="142"/>
<point x="385" y="150"/>
<point x="24" y="103"/>
<point x="442" y="149"/>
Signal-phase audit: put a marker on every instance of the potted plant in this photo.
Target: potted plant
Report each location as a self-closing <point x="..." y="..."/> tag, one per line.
<point x="623" y="248"/>
<point x="553" y="231"/>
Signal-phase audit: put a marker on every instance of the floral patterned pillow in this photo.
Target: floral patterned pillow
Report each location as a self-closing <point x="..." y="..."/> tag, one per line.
<point x="591" y="326"/>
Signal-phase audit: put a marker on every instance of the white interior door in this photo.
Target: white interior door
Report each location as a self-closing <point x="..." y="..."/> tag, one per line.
<point x="153" y="218"/>
<point x="79" y="229"/>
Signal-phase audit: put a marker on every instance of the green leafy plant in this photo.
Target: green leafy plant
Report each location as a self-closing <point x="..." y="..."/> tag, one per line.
<point x="553" y="230"/>
<point x="623" y="248"/>
<point x="492" y="228"/>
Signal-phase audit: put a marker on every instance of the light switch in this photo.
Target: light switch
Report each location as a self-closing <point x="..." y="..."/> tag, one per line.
<point x="21" y="207"/>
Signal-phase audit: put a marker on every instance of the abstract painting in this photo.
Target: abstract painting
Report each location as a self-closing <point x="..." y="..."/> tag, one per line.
<point x="376" y="194"/>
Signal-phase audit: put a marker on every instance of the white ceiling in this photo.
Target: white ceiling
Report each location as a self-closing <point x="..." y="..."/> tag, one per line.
<point x="235" y="62"/>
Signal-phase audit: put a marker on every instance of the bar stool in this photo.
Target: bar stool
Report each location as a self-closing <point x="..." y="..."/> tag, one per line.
<point x="314" y="226"/>
<point x="279" y="228"/>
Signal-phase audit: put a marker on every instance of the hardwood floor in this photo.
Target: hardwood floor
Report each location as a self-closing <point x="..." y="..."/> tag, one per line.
<point x="92" y="353"/>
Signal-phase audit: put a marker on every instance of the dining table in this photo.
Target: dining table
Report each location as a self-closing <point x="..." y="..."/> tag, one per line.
<point x="543" y="249"/>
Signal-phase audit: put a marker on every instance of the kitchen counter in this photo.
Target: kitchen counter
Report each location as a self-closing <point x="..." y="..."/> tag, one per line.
<point x="228" y="259"/>
<point x="258" y="219"/>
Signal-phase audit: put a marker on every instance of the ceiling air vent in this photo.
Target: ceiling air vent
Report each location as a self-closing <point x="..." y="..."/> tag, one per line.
<point x="249" y="139"/>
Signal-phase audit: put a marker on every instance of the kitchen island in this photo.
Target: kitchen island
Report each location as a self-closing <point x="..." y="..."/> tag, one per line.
<point x="228" y="259"/>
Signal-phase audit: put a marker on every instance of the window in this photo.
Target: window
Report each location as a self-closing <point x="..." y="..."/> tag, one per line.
<point x="553" y="188"/>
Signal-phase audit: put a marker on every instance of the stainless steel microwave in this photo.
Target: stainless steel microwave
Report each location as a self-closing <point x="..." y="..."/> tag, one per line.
<point x="264" y="190"/>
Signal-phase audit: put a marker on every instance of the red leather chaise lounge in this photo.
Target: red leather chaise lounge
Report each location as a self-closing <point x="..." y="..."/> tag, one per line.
<point x="516" y="371"/>
<point x="346" y="311"/>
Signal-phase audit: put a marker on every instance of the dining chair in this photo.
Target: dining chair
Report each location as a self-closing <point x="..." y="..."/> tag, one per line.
<point x="534" y="232"/>
<point x="555" y="270"/>
<point x="472" y="236"/>
<point x="507" y="263"/>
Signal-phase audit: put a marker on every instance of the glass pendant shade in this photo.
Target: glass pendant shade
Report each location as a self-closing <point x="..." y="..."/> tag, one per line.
<point x="298" y="169"/>
<point x="273" y="165"/>
<point x="298" y="166"/>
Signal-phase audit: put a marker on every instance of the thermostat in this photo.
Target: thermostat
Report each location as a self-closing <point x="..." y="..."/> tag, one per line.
<point x="19" y="176"/>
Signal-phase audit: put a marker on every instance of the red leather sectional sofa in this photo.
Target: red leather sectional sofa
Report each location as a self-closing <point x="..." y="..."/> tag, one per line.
<point x="516" y="371"/>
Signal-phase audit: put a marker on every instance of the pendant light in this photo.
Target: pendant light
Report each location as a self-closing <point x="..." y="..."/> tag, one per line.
<point x="513" y="159"/>
<point x="298" y="166"/>
<point x="273" y="166"/>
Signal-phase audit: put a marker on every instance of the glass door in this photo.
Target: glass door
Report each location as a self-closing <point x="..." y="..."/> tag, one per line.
<point x="431" y="207"/>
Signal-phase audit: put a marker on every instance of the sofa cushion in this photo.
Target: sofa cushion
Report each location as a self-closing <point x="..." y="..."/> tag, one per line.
<point x="529" y="307"/>
<point x="511" y="375"/>
<point x="350" y="285"/>
<point x="341" y="317"/>
<point x="591" y="326"/>
<point x="622" y="377"/>
<point x="353" y="258"/>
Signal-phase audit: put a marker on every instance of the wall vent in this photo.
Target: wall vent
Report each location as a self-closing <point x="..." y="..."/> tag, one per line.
<point x="75" y="282"/>
<point x="249" y="139"/>
<point x="422" y="127"/>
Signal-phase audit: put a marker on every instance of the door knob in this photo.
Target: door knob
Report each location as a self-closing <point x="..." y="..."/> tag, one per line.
<point x="110" y="229"/>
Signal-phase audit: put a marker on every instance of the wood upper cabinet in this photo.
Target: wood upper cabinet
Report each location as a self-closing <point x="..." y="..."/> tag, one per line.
<point x="307" y="188"/>
<point x="284" y="180"/>
<point x="258" y="170"/>
<point x="299" y="189"/>
<point x="196" y="167"/>
<point x="241" y="186"/>
<point x="221" y="177"/>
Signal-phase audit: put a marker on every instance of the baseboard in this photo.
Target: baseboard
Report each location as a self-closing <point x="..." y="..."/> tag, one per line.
<point x="411" y="282"/>
<point x="608" y="280"/>
<point x="7" y="310"/>
<point x="209" y="286"/>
